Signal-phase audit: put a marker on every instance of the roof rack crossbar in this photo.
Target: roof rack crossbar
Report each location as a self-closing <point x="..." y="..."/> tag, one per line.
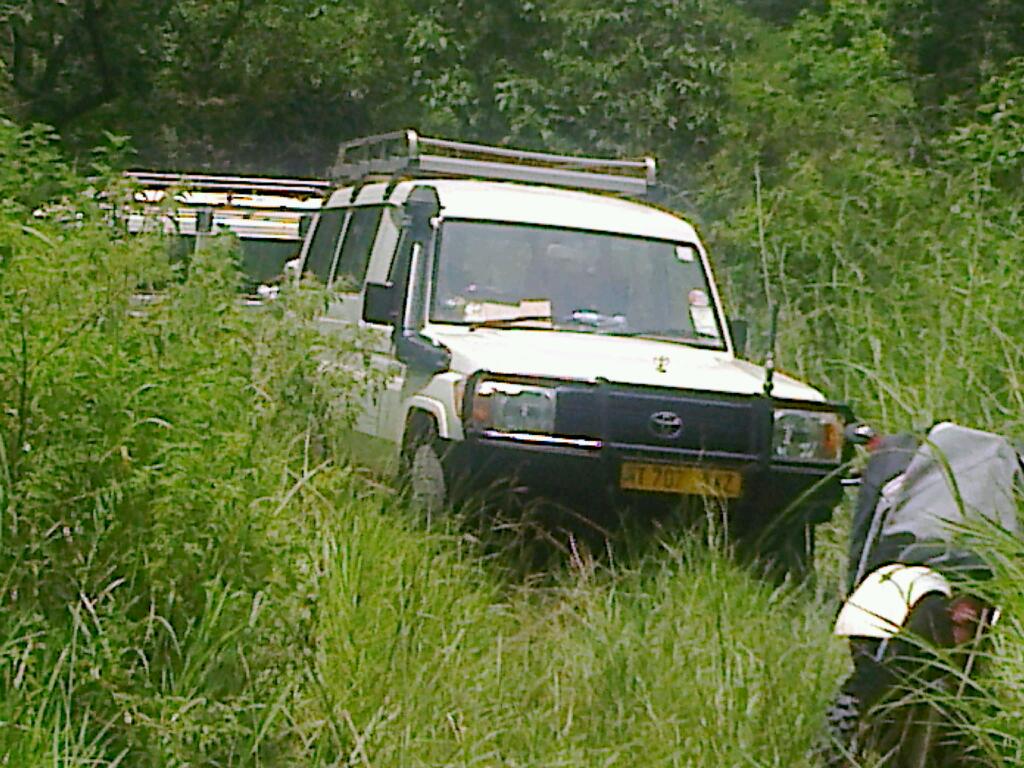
<point x="406" y="153"/>
<point x="525" y="154"/>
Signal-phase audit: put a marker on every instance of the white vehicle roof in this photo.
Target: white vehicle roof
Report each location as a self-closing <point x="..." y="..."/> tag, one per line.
<point x="250" y="207"/>
<point x="244" y="226"/>
<point x="532" y="204"/>
<point x="256" y="216"/>
<point x="231" y="200"/>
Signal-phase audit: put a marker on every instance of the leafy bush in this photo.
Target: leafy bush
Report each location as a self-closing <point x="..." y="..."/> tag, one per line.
<point x="892" y="256"/>
<point x="155" y="451"/>
<point x="891" y="275"/>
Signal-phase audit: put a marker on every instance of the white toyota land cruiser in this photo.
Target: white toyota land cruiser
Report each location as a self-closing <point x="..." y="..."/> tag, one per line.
<point x="570" y="341"/>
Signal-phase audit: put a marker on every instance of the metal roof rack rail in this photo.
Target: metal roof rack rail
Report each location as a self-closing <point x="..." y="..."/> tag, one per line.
<point x="239" y="185"/>
<point x="252" y="207"/>
<point x="407" y="154"/>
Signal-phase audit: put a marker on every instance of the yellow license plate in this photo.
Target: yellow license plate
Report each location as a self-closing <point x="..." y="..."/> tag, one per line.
<point x="672" y="478"/>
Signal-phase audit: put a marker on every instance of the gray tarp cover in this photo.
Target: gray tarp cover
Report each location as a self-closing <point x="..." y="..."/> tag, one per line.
<point x="958" y="475"/>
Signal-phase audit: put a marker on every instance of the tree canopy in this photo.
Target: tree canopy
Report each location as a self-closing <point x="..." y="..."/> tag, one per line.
<point x="275" y="86"/>
<point x="794" y="132"/>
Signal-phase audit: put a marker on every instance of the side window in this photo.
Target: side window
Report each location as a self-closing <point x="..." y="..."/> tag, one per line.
<point x="355" y="251"/>
<point x="325" y="243"/>
<point x="398" y="274"/>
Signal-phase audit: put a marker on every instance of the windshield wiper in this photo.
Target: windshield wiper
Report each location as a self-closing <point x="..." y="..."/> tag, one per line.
<point x="708" y="342"/>
<point x="508" y="322"/>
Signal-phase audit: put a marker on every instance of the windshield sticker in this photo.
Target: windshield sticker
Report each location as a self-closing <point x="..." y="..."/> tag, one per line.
<point x="702" y="315"/>
<point x="485" y="311"/>
<point x="686" y="252"/>
<point x="535" y="307"/>
<point x="594" y="319"/>
<point x="473" y="311"/>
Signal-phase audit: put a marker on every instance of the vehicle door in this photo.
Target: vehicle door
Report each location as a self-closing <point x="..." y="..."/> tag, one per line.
<point x="347" y="277"/>
<point x="394" y="371"/>
<point x="338" y="256"/>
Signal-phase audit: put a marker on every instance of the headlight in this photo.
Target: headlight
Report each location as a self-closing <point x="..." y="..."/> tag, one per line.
<point x="807" y="435"/>
<point x="510" y="407"/>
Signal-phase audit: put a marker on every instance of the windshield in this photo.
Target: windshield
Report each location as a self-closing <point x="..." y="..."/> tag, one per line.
<point x="493" y="274"/>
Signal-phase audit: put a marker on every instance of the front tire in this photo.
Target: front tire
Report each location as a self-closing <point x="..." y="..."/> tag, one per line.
<point x="423" y="472"/>
<point x="781" y="554"/>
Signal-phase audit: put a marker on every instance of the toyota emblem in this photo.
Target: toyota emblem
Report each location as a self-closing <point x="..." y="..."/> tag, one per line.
<point x="665" y="424"/>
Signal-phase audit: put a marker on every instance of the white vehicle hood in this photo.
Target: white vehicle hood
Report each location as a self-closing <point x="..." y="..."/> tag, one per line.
<point x="623" y="360"/>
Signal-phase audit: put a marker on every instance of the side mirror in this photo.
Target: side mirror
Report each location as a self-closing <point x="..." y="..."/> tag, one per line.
<point x="739" y="327"/>
<point x="204" y="221"/>
<point x="380" y="303"/>
<point x="860" y="433"/>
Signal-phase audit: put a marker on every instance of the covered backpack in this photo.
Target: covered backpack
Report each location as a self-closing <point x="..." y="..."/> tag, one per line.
<point x="917" y="495"/>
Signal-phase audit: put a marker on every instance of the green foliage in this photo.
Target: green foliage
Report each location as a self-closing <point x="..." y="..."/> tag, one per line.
<point x="624" y="77"/>
<point x="36" y="172"/>
<point x="186" y="578"/>
<point x="267" y="86"/>
<point x="989" y="710"/>
<point x="891" y="276"/>
<point x="154" y="453"/>
<point x="953" y="47"/>
<point x="991" y="140"/>
<point x="66" y="59"/>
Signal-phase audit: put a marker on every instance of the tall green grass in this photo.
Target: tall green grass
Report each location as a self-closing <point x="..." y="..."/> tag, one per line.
<point x="187" y="577"/>
<point x="912" y="316"/>
<point x="985" y="706"/>
<point x="893" y="261"/>
<point x="678" y="657"/>
<point x="154" y="462"/>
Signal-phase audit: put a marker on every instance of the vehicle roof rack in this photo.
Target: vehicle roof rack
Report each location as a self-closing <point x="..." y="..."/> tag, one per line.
<point x="239" y="185"/>
<point x="407" y="154"/>
<point x="250" y="206"/>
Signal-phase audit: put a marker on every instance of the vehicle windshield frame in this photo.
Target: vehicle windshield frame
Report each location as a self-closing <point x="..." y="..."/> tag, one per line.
<point x="719" y="343"/>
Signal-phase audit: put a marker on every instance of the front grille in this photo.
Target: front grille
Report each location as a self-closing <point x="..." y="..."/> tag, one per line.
<point x="643" y="417"/>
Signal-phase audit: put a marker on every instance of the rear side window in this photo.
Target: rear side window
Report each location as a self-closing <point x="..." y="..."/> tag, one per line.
<point x="355" y="251"/>
<point x="325" y="244"/>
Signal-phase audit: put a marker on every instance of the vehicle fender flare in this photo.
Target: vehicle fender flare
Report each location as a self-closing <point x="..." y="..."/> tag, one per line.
<point x="433" y="408"/>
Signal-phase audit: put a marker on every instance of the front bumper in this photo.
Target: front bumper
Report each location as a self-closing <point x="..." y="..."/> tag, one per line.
<point x="619" y="423"/>
<point x="589" y="477"/>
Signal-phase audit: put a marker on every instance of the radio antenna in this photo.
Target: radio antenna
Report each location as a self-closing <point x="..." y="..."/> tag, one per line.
<point x="769" y="360"/>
